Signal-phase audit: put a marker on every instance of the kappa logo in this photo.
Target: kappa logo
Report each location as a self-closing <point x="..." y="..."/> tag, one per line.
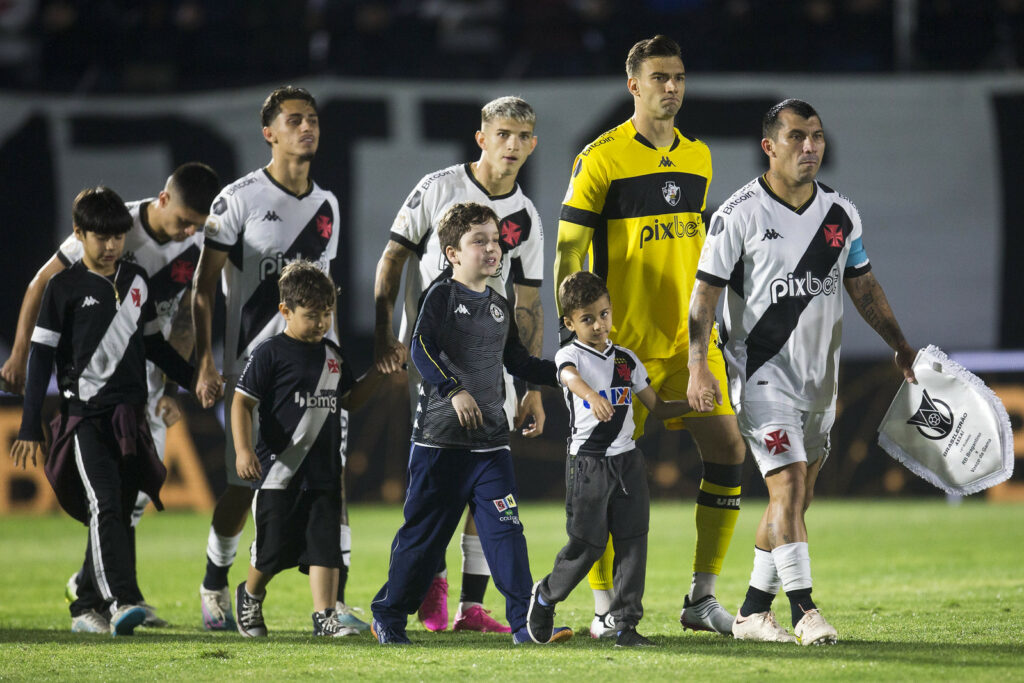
<point x="136" y="297"/>
<point x="665" y="162"/>
<point x="771" y="234"/>
<point x="497" y="313"/>
<point x="271" y="216"/>
<point x="89" y="301"/>
<point x="461" y="308"/>
<point x="933" y="419"/>
<point x="332" y="366"/>
<point x="777" y="442"/>
<point x="671" y="192"/>
<point x="834" y="235"/>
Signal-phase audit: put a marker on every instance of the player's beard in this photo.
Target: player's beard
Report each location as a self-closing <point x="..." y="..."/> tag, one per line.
<point x="306" y="158"/>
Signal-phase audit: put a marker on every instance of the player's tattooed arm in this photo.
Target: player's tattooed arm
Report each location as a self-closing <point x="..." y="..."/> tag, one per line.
<point x="530" y="318"/>
<point x="388" y="353"/>
<point x="702" y="389"/>
<point x="870" y="301"/>
<point x="181" y="328"/>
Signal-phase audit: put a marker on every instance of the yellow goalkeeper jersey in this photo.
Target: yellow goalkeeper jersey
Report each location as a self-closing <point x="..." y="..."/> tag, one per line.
<point x="635" y="210"/>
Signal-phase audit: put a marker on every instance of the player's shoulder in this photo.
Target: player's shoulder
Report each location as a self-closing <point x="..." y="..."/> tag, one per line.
<point x="332" y="347"/>
<point x="836" y="196"/>
<point x="609" y="142"/>
<point x="624" y="352"/>
<point x="688" y="142"/>
<point x="743" y="200"/>
<point x="442" y="178"/>
<point x="247" y="184"/>
<point x="132" y="269"/>
<point x="135" y="209"/>
<point x="322" y="193"/>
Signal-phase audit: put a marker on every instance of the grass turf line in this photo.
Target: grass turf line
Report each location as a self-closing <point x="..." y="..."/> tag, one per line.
<point x="918" y="590"/>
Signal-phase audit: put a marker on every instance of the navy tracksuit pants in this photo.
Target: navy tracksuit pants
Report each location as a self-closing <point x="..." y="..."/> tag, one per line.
<point x="441" y="482"/>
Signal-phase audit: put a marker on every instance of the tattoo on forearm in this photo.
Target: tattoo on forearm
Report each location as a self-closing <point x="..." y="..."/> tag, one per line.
<point x="530" y="320"/>
<point x="875" y="310"/>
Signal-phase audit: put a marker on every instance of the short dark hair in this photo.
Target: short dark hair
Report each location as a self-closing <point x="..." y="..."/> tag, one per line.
<point x="770" y="124"/>
<point x="302" y="283"/>
<point x="272" y="105"/>
<point x="658" y="46"/>
<point x="458" y="220"/>
<point x="195" y="185"/>
<point x="580" y="289"/>
<point x="100" y="210"/>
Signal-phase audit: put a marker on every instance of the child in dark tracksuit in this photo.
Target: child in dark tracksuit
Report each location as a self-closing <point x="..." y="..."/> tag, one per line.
<point x="97" y="320"/>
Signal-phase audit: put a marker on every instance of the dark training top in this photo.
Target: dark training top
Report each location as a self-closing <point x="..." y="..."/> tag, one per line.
<point x="461" y="340"/>
<point x="299" y="386"/>
<point x="100" y="330"/>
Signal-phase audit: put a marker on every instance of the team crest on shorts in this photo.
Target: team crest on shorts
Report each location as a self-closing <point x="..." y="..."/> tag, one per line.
<point x="497" y="313"/>
<point x="670" y="191"/>
<point x="777" y="442"/>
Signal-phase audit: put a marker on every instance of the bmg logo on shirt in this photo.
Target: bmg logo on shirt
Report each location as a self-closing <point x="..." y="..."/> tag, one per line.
<point x="271" y="266"/>
<point x="667" y="231"/>
<point x="617" y="396"/>
<point x="328" y="400"/>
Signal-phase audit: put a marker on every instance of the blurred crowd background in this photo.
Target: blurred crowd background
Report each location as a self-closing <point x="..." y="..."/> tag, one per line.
<point x="112" y="46"/>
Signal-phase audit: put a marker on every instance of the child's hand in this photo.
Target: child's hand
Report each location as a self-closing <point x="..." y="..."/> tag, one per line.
<point x="600" y="406"/>
<point x="248" y="466"/>
<point x="468" y="411"/>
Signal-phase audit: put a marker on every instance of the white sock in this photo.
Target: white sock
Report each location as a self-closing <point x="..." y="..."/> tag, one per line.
<point x="764" y="576"/>
<point x="465" y="606"/>
<point x="346" y="545"/>
<point x="793" y="563"/>
<point x="222" y="549"/>
<point x="443" y="574"/>
<point x="602" y="601"/>
<point x="703" y="584"/>
<point x="473" y="561"/>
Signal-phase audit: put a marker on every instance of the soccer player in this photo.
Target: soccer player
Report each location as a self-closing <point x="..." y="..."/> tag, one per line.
<point x="300" y="381"/>
<point x="97" y="319"/>
<point x="164" y="242"/>
<point x="506" y="139"/>
<point x="606" y="478"/>
<point x="782" y="244"/>
<point x="634" y="208"/>
<point x="257" y="224"/>
<point x="459" y="454"/>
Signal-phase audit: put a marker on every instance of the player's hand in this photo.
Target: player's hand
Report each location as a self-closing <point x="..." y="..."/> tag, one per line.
<point x="168" y="409"/>
<point x="209" y="385"/>
<point x="248" y="466"/>
<point x="530" y="405"/>
<point x="13" y="372"/>
<point x="702" y="390"/>
<point x="389" y="355"/>
<point x="905" y="362"/>
<point x="468" y="411"/>
<point x="601" y="407"/>
<point x="21" y="451"/>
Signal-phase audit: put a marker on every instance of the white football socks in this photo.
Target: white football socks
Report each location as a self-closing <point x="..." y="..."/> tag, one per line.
<point x="764" y="576"/>
<point x="473" y="561"/>
<point x="222" y="549"/>
<point x="793" y="563"/>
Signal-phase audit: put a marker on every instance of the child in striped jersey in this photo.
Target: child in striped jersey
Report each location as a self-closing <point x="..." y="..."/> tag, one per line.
<point x="300" y="381"/>
<point x="606" y="480"/>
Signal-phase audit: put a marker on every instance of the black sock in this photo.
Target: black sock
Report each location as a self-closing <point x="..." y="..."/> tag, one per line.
<point x="342" y="580"/>
<point x="216" y="577"/>
<point x="800" y="602"/>
<point x="756" y="601"/>
<point x="473" y="587"/>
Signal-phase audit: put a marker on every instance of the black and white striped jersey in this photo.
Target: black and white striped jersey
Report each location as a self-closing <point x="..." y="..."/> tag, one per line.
<point x="415" y="227"/>
<point x="299" y="386"/>
<point x="615" y="373"/>
<point x="262" y="226"/>
<point x="783" y="269"/>
<point x="96" y="324"/>
<point x="169" y="268"/>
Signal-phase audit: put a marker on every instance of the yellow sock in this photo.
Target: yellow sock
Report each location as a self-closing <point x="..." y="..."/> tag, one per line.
<point x="600" y="576"/>
<point x="716" y="512"/>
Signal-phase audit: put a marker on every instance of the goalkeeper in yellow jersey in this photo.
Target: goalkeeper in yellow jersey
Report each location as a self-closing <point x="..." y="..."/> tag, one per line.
<point x="633" y="208"/>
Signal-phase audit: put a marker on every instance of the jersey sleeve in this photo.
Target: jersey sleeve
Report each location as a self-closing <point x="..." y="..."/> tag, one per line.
<point x="414" y="221"/>
<point x="721" y="251"/>
<point x="528" y="257"/>
<point x="565" y="357"/>
<point x="69" y="251"/>
<point x="640" y="379"/>
<point x="857" y="262"/>
<point x="520" y="363"/>
<point x="50" y="321"/>
<point x="588" y="187"/>
<point x="225" y="223"/>
<point x="426" y="349"/>
<point x="258" y="373"/>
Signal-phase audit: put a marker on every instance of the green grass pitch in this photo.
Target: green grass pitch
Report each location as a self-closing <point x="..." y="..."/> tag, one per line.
<point x="917" y="590"/>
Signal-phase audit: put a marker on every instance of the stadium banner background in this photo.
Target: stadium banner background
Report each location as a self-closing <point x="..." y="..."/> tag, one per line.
<point x="933" y="163"/>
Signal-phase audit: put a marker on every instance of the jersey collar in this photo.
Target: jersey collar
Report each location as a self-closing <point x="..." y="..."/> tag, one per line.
<point x="144" y="221"/>
<point x="285" y="189"/>
<point x="495" y="197"/>
<point x="608" y="350"/>
<point x="647" y="143"/>
<point x="795" y="209"/>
